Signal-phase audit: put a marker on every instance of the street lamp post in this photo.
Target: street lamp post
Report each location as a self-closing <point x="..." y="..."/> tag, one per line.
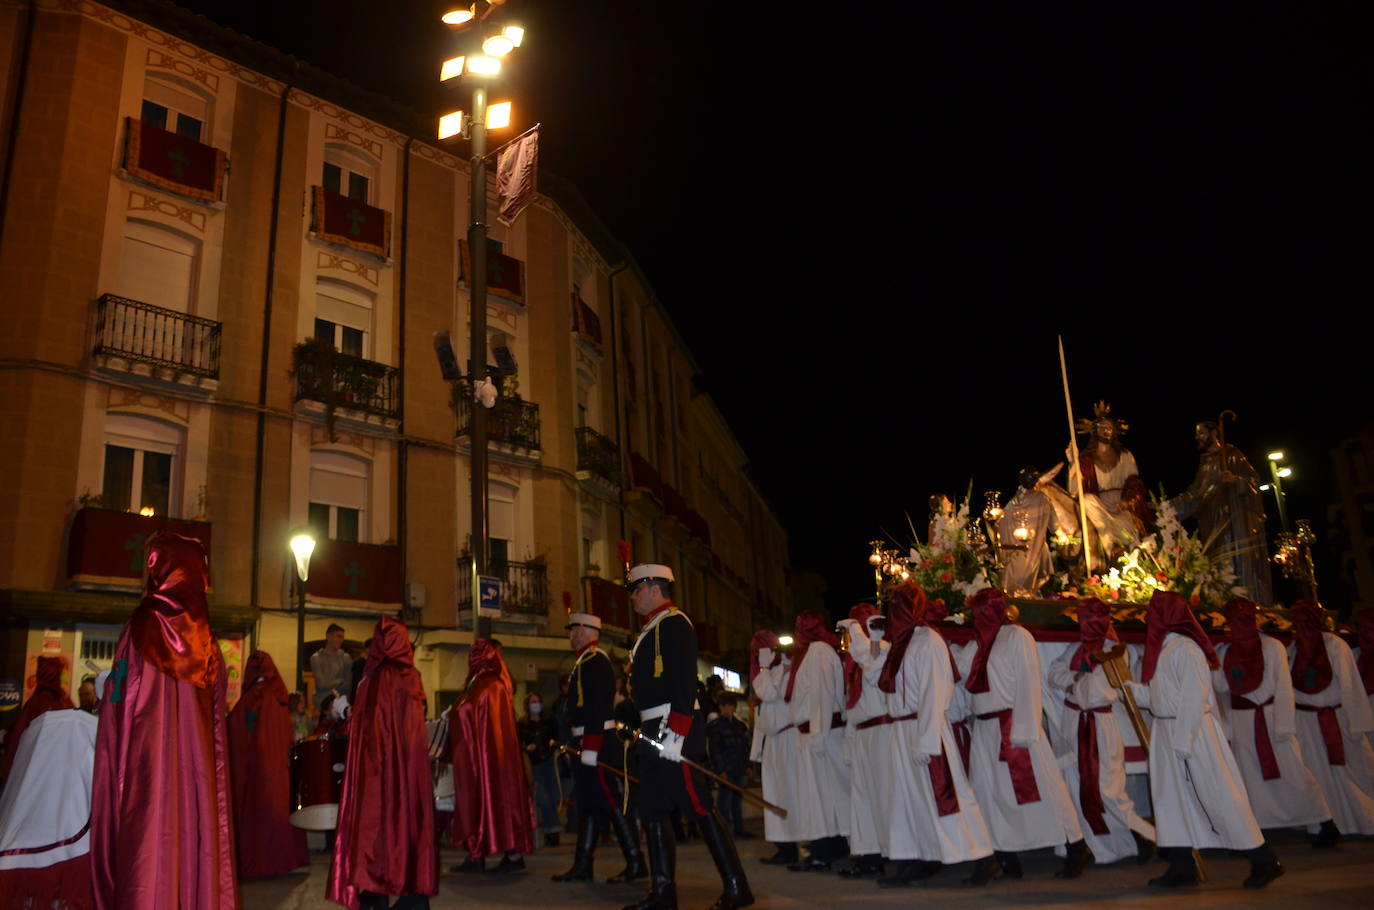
<point x="302" y="546"/>
<point x="1278" y="471"/>
<point x="498" y="42"/>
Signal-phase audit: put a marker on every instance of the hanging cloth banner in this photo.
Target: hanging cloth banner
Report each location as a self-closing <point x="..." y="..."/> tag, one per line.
<point x="348" y="222"/>
<point x="517" y="177"/>
<point x="173" y="162"/>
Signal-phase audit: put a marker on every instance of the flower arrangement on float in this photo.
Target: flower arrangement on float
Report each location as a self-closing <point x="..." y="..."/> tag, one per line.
<point x="1171" y="559"/>
<point x="946" y="567"/>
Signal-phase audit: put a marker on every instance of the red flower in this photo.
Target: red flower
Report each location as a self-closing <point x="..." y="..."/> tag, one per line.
<point x="926" y="564"/>
<point x="1194" y="600"/>
<point x="1116" y="595"/>
<point x="946" y="577"/>
<point x="949" y="559"/>
<point x="1162" y="578"/>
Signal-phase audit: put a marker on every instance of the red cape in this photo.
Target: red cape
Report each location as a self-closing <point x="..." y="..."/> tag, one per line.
<point x="161" y="834"/>
<point x="48" y="695"/>
<point x="492" y="810"/>
<point x="989" y="609"/>
<point x="260" y="763"/>
<point x="385" y="840"/>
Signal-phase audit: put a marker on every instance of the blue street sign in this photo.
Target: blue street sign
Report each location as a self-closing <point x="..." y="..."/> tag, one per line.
<point x="491" y="595"/>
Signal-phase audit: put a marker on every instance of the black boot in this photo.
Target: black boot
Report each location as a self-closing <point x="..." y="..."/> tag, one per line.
<point x="736" y="893"/>
<point x="1079" y="858"/>
<point x="627" y="833"/>
<point x="662" y="850"/>
<point x="986" y="870"/>
<point x="1182" y="872"/>
<point x="1264" y="866"/>
<point x="1144" y="849"/>
<point x="1010" y="862"/>
<point x="371" y="900"/>
<point x="412" y="902"/>
<point x="581" y="870"/>
<point x="786" y="855"/>
<point x="1327" y="836"/>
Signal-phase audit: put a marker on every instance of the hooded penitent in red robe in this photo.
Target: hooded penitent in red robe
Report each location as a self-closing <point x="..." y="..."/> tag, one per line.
<point x="161" y="833"/>
<point x="810" y="628"/>
<point x="385" y="840"/>
<point x="492" y="811"/>
<point x="1169" y="612"/>
<point x="989" y="609"/>
<point x="48" y="695"/>
<point x="260" y="755"/>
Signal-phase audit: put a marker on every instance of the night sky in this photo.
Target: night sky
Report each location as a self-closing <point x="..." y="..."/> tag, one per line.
<point x="871" y="220"/>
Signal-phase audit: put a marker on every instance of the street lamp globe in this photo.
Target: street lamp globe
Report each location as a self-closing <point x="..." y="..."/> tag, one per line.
<point x="302" y="546"/>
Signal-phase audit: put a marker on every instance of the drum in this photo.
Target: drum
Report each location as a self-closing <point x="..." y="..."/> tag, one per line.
<point x="316" y="782"/>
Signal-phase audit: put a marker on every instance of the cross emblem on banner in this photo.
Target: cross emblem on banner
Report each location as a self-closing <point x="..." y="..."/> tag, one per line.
<point x="355" y="221"/>
<point x="135" y="546"/>
<point x="354" y="573"/>
<point x="179" y="160"/>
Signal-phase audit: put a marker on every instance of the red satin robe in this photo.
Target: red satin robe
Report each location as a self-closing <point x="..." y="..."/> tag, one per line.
<point x="260" y="756"/>
<point x="492" y="811"/>
<point x="385" y="841"/>
<point x="48" y="695"/>
<point x="161" y="832"/>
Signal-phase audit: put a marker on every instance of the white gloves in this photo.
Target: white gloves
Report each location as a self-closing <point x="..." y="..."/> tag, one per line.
<point x="589" y="757"/>
<point x="815" y="742"/>
<point x="1140" y="692"/>
<point x="672" y="745"/>
<point x="765" y="657"/>
<point x="340" y="708"/>
<point x="921" y="759"/>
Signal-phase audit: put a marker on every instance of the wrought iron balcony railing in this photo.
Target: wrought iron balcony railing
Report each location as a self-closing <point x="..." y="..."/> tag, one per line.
<point x="512" y="421"/>
<point x="524" y="586"/>
<point x="142" y="333"/>
<point x="597" y="454"/>
<point x="344" y="381"/>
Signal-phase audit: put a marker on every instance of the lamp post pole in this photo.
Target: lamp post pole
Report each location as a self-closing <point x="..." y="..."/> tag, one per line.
<point x="1278" y="492"/>
<point x="300" y="634"/>
<point x="477" y="350"/>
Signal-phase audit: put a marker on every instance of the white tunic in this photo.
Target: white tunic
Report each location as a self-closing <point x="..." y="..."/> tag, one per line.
<point x="870" y="761"/>
<point x="1014" y="681"/>
<point x="1199" y="795"/>
<point x="925" y="686"/>
<point x="823" y="776"/>
<point x="1293" y="799"/>
<point x="1358" y="652"/>
<point x="1349" y="788"/>
<point x="47" y="800"/>
<point x="1119" y="814"/>
<point x="776" y="749"/>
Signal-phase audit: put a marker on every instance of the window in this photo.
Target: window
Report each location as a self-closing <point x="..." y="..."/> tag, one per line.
<point x="338" y="496"/>
<point x="349" y="173"/>
<point x="174" y="108"/>
<point x="501" y="520"/>
<point x="343" y="317"/>
<point x="158" y="266"/>
<point x="140" y="464"/>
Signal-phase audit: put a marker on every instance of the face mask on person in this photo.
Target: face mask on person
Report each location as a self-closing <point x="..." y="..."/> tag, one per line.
<point x="536" y="707"/>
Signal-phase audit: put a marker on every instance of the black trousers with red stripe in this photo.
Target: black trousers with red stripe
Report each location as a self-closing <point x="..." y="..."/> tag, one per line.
<point x="598" y="790"/>
<point x="667" y="785"/>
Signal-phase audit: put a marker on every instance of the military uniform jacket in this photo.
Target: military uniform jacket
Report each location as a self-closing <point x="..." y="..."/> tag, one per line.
<point x="663" y="678"/>
<point x="591" y="699"/>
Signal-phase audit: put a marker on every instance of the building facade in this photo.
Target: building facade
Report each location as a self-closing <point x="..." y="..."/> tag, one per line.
<point x="222" y="274"/>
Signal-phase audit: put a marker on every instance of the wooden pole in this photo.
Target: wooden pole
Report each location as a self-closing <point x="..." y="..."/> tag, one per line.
<point x="1076" y="464"/>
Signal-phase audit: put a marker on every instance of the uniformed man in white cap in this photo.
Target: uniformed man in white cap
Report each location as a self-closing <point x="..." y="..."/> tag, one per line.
<point x="591" y="700"/>
<point x="663" y="682"/>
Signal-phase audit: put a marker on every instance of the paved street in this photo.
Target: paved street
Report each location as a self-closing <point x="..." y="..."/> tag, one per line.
<point x="1340" y="878"/>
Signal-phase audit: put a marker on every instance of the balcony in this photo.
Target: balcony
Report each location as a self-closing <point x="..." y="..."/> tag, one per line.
<point x="105" y="547"/>
<point x="597" y="457"/>
<point x="524" y="590"/>
<point x="339" y="380"/>
<point x="141" y="337"/>
<point x="355" y="574"/>
<point x="513" y="424"/>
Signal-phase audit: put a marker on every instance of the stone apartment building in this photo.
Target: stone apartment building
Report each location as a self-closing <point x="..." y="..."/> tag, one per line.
<point x="222" y="271"/>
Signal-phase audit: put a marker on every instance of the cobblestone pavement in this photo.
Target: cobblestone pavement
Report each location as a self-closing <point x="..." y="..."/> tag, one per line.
<point x="1343" y="877"/>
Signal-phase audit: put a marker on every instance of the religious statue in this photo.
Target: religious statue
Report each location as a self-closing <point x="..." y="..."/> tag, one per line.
<point x="1113" y="494"/>
<point x="1026" y="527"/>
<point x="1225" y="499"/>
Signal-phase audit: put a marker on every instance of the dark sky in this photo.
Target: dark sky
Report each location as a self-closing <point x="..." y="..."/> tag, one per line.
<point x="871" y="220"/>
